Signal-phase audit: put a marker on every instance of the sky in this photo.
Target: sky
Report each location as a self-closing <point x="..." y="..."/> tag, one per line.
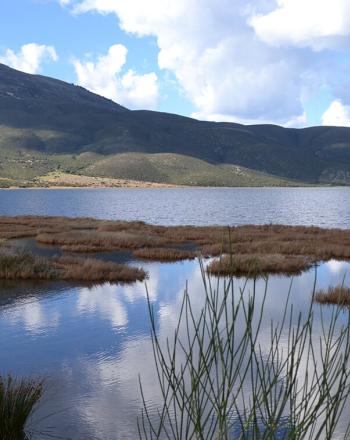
<point x="284" y="62"/>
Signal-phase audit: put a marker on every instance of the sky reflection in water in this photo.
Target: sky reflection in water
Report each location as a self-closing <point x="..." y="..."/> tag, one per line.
<point x="91" y="343"/>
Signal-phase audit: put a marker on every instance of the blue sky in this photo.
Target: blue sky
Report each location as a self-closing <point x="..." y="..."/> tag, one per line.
<point x="82" y="36"/>
<point x="275" y="61"/>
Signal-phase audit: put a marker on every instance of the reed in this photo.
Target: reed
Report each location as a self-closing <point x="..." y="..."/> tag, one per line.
<point x="18" y="399"/>
<point x="220" y="379"/>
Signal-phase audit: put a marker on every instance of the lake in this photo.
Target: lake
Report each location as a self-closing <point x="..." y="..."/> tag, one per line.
<point x="91" y="343"/>
<point x="326" y="207"/>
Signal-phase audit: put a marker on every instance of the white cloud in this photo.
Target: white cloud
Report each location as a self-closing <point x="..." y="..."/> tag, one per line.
<point x="102" y="299"/>
<point x="336" y="267"/>
<point x="304" y="22"/>
<point x="227" y="55"/>
<point x="105" y="77"/>
<point x="29" y="58"/>
<point x="34" y="318"/>
<point x="337" y="114"/>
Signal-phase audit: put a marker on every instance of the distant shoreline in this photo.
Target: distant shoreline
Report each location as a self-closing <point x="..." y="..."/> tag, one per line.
<point x="12" y="188"/>
<point x="60" y="180"/>
<point x="165" y="186"/>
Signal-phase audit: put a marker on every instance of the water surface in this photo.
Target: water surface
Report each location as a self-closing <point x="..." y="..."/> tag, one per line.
<point x="327" y="207"/>
<point x="91" y="343"/>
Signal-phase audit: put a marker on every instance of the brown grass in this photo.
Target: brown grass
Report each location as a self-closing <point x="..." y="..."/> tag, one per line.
<point x="23" y="265"/>
<point x="89" y="269"/>
<point x="255" y="265"/>
<point x="334" y="295"/>
<point x="293" y="244"/>
<point x="163" y="254"/>
<point x="100" y="241"/>
<point x="83" y="248"/>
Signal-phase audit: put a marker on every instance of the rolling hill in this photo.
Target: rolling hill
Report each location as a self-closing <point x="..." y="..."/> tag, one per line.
<point x="48" y="125"/>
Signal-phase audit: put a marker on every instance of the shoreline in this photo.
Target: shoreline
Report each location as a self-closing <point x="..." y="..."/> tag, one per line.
<point x="63" y="180"/>
<point x="168" y="186"/>
<point x="57" y="180"/>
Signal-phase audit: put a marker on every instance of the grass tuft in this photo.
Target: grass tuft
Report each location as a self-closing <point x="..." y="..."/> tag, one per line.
<point x="17" y="401"/>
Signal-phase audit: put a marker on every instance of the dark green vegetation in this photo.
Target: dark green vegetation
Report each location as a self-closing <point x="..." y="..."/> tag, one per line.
<point x="223" y="376"/>
<point x="17" y="401"/>
<point x="243" y="250"/>
<point x="48" y="125"/>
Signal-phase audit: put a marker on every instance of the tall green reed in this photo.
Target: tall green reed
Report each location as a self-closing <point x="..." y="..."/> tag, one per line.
<point x="220" y="379"/>
<point x="17" y="401"/>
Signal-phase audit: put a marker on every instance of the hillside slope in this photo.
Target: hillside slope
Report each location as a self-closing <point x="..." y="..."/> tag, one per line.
<point x="45" y="123"/>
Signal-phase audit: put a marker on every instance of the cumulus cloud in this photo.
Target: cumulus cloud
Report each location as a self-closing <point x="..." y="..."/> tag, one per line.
<point x="30" y="57"/>
<point x="337" y="114"/>
<point x="228" y="57"/>
<point x="105" y="77"/>
<point x="309" y="22"/>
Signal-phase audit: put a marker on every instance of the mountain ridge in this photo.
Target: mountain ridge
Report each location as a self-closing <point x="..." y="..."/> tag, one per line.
<point x="45" y="116"/>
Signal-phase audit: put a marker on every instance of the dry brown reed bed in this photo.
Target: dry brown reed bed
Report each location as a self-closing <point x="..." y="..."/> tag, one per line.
<point x="339" y="295"/>
<point x="23" y="265"/>
<point x="93" y="241"/>
<point x="163" y="254"/>
<point x="276" y="248"/>
<point x="93" y="270"/>
<point x="255" y="265"/>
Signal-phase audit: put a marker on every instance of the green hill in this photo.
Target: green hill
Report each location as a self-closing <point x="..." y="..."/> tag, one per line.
<point x="179" y="170"/>
<point x="47" y="124"/>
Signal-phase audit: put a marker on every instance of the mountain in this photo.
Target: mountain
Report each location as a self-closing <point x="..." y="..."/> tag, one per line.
<point x="48" y="125"/>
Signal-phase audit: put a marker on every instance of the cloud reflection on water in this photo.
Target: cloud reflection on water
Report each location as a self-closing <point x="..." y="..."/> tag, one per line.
<point x="95" y="341"/>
